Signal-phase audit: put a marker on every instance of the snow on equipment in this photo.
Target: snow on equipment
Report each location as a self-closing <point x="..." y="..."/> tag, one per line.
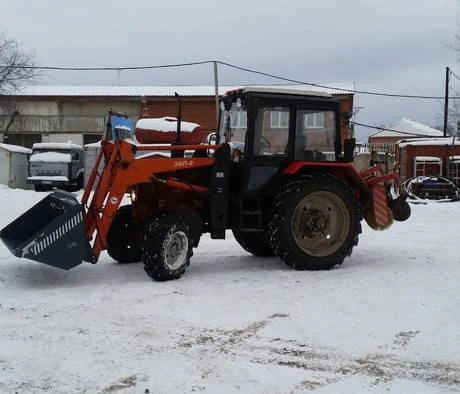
<point x="278" y="176"/>
<point x="164" y="130"/>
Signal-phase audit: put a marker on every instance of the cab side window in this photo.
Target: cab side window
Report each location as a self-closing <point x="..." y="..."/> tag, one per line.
<point x="315" y="135"/>
<point x="272" y="131"/>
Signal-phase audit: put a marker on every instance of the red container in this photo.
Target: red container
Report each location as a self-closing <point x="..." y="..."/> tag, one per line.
<point x="164" y="131"/>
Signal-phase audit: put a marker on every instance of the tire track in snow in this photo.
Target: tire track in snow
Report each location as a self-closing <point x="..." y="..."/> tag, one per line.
<point x="331" y="365"/>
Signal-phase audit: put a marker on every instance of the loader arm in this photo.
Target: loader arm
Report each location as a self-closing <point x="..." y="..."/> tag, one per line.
<point x="122" y="171"/>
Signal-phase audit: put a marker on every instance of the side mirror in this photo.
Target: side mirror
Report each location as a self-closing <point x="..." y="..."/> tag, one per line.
<point x="349" y="150"/>
<point x="212" y="139"/>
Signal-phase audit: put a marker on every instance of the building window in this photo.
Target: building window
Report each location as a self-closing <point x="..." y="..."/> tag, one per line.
<point x="279" y="119"/>
<point x="239" y="119"/>
<point x="314" y="120"/>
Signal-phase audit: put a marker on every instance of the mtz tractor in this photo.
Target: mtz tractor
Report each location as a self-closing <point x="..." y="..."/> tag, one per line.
<point x="277" y="174"/>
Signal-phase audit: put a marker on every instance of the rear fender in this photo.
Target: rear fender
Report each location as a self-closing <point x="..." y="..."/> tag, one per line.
<point x="344" y="171"/>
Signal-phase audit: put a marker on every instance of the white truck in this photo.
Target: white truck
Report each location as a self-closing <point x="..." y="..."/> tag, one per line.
<point x="56" y="164"/>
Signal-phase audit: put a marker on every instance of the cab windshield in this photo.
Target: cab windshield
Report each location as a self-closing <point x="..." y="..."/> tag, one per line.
<point x="233" y="125"/>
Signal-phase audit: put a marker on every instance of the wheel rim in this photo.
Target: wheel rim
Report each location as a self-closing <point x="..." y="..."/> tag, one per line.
<point x="176" y="250"/>
<point x="320" y="223"/>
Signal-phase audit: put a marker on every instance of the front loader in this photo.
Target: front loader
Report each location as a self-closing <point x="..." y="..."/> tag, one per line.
<point x="275" y="174"/>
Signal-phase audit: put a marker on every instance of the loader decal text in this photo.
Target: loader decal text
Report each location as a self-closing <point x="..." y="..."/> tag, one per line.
<point x="56" y="234"/>
<point x="183" y="163"/>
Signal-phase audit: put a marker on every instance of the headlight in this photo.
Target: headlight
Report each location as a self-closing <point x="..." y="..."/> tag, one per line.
<point x="133" y="195"/>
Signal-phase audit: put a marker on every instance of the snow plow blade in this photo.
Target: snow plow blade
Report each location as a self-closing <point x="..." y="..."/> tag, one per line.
<point x="51" y="232"/>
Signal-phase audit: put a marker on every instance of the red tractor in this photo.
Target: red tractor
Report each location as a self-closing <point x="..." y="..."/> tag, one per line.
<point x="275" y="173"/>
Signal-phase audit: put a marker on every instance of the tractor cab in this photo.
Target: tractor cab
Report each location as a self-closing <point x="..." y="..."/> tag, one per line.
<point x="270" y="128"/>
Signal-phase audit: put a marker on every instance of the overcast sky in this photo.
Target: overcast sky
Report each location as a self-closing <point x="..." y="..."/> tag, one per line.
<point x="393" y="46"/>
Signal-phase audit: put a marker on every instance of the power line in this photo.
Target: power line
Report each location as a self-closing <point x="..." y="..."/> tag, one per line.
<point x="54" y="68"/>
<point x="394" y="131"/>
<point x="329" y="87"/>
<point x="279" y="77"/>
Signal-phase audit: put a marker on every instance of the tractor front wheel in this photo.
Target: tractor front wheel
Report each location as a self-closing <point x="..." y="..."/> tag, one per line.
<point x="123" y="238"/>
<point x="315" y="223"/>
<point x="166" y="247"/>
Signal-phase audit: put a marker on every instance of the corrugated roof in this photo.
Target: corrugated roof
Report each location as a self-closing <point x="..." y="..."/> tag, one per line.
<point x="442" y="141"/>
<point x="408" y="128"/>
<point x="160" y="90"/>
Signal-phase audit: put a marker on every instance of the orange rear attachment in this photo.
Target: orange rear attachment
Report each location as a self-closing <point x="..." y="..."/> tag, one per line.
<point x="378" y="215"/>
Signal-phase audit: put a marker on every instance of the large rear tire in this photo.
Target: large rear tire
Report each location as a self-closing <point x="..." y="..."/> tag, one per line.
<point x="315" y="223"/>
<point x="123" y="238"/>
<point x="166" y="247"/>
<point x="255" y="243"/>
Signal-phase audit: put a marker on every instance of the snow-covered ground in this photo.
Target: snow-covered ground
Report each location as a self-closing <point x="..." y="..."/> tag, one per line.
<point x="388" y="320"/>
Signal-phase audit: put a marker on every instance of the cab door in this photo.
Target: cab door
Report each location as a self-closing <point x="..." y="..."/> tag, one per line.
<point x="267" y="147"/>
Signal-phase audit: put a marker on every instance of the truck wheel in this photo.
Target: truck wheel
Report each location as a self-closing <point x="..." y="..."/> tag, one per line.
<point x="315" y="223"/>
<point x="123" y="238"/>
<point x="254" y="243"/>
<point x="166" y="247"/>
<point x="80" y="182"/>
<point x="42" y="188"/>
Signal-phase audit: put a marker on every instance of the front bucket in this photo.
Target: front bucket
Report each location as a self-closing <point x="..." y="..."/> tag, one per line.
<point x="51" y="232"/>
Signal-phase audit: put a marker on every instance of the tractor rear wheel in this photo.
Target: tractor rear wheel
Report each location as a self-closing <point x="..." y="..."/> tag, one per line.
<point x="166" y="247"/>
<point x="123" y="237"/>
<point x="315" y="223"/>
<point x="254" y="243"/>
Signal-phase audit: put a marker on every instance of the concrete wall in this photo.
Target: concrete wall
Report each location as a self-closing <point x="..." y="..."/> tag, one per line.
<point x="46" y="118"/>
<point x="74" y="138"/>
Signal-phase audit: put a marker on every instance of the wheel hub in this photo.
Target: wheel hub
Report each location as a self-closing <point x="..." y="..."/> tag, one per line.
<point x="320" y="223"/>
<point x="313" y="223"/>
<point x="176" y="250"/>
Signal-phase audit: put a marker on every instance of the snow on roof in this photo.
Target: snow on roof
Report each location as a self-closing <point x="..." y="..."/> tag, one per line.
<point x="51" y="157"/>
<point x="164" y="90"/>
<point x="56" y="145"/>
<point x="428" y="158"/>
<point x="93" y="145"/>
<point x="166" y="124"/>
<point x="408" y="128"/>
<point x="14" y="148"/>
<point x="427" y="142"/>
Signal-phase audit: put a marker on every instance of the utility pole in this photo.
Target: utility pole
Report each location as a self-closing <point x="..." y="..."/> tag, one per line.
<point x="446" y="101"/>
<point x="216" y="92"/>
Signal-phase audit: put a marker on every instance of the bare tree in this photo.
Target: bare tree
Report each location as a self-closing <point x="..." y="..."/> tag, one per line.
<point x="16" y="64"/>
<point x="16" y="68"/>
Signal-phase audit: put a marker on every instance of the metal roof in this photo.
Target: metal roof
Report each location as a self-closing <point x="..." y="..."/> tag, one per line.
<point x="283" y="90"/>
<point x="441" y="141"/>
<point x="162" y="90"/>
<point x="407" y="128"/>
